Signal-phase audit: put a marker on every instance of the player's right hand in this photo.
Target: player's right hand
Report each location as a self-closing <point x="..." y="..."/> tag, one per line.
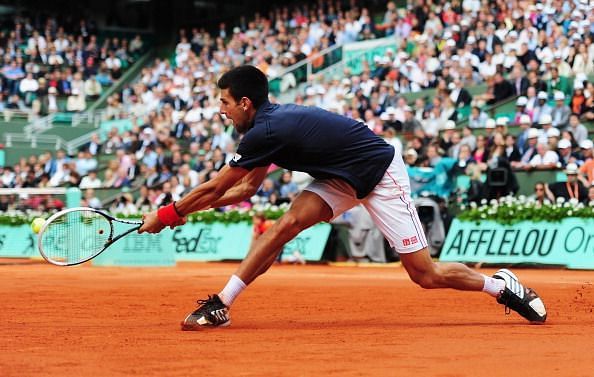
<point x="151" y="223"/>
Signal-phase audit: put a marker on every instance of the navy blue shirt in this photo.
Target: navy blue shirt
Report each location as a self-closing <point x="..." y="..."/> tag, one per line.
<point x="315" y="141"/>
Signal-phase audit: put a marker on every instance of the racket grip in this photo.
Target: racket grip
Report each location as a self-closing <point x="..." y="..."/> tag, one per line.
<point x="168" y="214"/>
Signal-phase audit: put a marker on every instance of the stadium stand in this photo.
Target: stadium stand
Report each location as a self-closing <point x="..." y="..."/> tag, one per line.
<point x="429" y="78"/>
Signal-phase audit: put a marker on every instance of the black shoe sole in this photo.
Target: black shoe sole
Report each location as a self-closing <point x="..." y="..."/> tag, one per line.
<point x="192" y="327"/>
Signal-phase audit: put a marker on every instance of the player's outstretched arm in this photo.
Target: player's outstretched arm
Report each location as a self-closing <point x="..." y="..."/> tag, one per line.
<point x="242" y="190"/>
<point x="203" y="196"/>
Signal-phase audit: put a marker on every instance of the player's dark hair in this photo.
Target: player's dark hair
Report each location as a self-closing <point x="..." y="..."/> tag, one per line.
<point x="246" y="81"/>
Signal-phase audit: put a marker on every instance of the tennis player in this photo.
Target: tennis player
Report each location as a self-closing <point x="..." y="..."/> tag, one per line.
<point x="351" y="165"/>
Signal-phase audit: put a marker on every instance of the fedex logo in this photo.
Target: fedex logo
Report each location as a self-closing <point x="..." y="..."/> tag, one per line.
<point x="410" y="241"/>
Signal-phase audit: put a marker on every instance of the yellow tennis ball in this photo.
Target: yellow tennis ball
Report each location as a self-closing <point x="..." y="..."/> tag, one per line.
<point x="37" y="224"/>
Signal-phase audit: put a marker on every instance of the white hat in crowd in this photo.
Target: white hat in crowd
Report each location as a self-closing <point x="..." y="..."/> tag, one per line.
<point x="525" y="119"/>
<point x="522" y="101"/>
<point x="501" y="121"/>
<point x="571" y="169"/>
<point x="559" y="96"/>
<point x="532" y="133"/>
<point x="553" y="132"/>
<point x="490" y="123"/>
<point x="545" y="119"/>
<point x="542" y="95"/>
<point x="411" y="152"/>
<point x="564" y="143"/>
<point x="450" y="125"/>
<point x="587" y="144"/>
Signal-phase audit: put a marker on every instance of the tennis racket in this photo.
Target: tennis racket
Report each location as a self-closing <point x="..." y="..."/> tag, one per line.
<point x="76" y="235"/>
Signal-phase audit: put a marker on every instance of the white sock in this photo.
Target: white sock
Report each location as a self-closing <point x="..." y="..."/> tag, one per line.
<point x="493" y="286"/>
<point x="233" y="288"/>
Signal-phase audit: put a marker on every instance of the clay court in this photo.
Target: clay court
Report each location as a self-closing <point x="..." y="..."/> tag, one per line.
<point x="294" y="321"/>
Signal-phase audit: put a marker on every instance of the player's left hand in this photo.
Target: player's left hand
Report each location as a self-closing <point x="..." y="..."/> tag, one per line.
<point x="151" y="223"/>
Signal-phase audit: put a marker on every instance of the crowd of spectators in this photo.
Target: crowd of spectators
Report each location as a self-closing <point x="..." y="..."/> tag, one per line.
<point x="538" y="54"/>
<point x="50" y="67"/>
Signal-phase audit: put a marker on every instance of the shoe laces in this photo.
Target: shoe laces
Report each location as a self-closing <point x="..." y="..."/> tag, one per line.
<point x="207" y="302"/>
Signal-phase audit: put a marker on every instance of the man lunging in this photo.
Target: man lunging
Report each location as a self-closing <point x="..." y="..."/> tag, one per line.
<point x="350" y="165"/>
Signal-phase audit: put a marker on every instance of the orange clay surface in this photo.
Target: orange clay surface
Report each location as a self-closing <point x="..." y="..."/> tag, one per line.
<point x="313" y="320"/>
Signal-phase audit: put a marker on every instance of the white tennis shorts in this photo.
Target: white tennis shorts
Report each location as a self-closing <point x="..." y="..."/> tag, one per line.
<point x="389" y="205"/>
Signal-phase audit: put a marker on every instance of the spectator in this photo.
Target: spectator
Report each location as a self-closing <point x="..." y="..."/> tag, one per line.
<point x="553" y="136"/>
<point x="90" y="199"/>
<point x="92" y="87"/>
<point x="109" y="178"/>
<point x="565" y="153"/>
<point x="558" y="83"/>
<point x="503" y="89"/>
<point x="90" y="181"/>
<point x="544" y="158"/>
<point x="578" y="130"/>
<point x="93" y="146"/>
<point x="480" y="153"/>
<point x="587" y="168"/>
<point x="560" y="113"/>
<point x="573" y="188"/>
<point x="468" y="138"/>
<point x="525" y="124"/>
<point x="546" y="124"/>
<point x="391" y="138"/>
<point x="124" y="205"/>
<point x="266" y="191"/>
<point x="410" y="157"/>
<point x="476" y="190"/>
<point x="477" y="118"/>
<point x="542" y="109"/>
<point x="28" y="88"/>
<point x="578" y="99"/>
<point x="521" y="110"/>
<point x="144" y="202"/>
<point x="512" y="153"/>
<point x="459" y="95"/>
<point x="540" y="196"/>
<point x="167" y="195"/>
<point x="464" y="160"/>
<point x="445" y="141"/>
<point x="288" y="189"/>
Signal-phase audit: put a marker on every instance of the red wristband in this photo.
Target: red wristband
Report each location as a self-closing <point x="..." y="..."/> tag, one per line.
<point x="168" y="214"/>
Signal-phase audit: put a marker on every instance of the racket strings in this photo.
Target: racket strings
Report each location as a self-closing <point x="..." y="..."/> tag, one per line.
<point x="76" y="236"/>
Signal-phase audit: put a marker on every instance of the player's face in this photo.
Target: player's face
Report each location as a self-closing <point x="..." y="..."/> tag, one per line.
<point x="235" y="110"/>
